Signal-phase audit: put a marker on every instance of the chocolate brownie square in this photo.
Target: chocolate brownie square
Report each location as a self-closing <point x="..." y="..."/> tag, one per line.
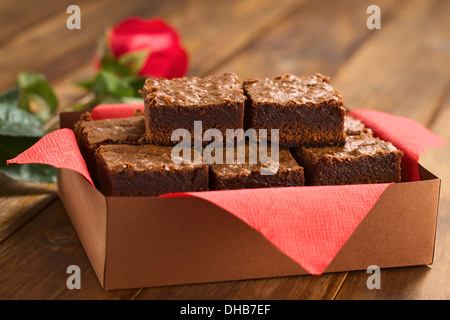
<point x="355" y="127"/>
<point x="307" y="111"/>
<point x="216" y="101"/>
<point x="146" y="170"/>
<point x="238" y="175"/>
<point x="362" y="160"/>
<point x="92" y="134"/>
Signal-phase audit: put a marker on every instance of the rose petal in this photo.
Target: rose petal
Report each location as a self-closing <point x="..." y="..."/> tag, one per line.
<point x="135" y="34"/>
<point x="169" y="64"/>
<point x="167" y="58"/>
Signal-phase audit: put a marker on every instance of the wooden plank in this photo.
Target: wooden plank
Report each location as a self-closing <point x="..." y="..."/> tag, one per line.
<point x="34" y="262"/>
<point x="214" y="31"/>
<point x="20" y="202"/>
<point x="317" y="38"/>
<point x="282" y="288"/>
<point x="21" y="15"/>
<point x="403" y="69"/>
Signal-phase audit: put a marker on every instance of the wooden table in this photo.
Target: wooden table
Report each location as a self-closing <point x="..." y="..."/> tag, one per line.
<point x="403" y="69"/>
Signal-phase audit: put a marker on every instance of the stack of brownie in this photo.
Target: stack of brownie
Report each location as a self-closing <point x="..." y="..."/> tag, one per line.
<point x="318" y="143"/>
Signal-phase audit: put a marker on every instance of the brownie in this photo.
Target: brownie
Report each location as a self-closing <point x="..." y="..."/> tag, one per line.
<point x="362" y="160"/>
<point x="355" y="127"/>
<point x="216" y="101"/>
<point x="249" y="175"/>
<point x="145" y="171"/>
<point x="91" y="134"/>
<point x="306" y="110"/>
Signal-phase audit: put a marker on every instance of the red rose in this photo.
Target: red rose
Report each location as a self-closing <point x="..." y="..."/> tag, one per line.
<point x="148" y="47"/>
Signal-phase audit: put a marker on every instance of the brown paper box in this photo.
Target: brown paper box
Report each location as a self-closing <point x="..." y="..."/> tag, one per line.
<point x="146" y="242"/>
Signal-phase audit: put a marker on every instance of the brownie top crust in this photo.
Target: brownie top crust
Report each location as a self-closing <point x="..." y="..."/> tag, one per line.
<point x="289" y="88"/>
<point x="195" y="91"/>
<point x="356" y="146"/>
<point x="118" y="130"/>
<point x="140" y="158"/>
<point x="354" y="126"/>
<point x="285" y="162"/>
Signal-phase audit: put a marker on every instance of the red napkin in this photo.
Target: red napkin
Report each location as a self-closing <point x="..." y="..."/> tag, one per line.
<point x="308" y="224"/>
<point x="58" y="149"/>
<point x="120" y="110"/>
<point x="405" y="134"/>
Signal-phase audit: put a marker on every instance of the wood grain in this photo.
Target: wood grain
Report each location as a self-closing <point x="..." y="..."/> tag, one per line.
<point x="23" y="15"/>
<point x="403" y="69"/>
<point x="20" y="202"/>
<point x="281" y="288"/>
<point x="214" y="31"/>
<point x="318" y="38"/>
<point x="34" y="261"/>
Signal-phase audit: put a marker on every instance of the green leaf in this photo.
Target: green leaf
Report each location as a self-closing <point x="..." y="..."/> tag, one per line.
<point x="113" y="65"/>
<point x="15" y="121"/>
<point x="106" y="83"/>
<point x="10" y="97"/>
<point x="32" y="172"/>
<point x="36" y="86"/>
<point x="137" y="83"/>
<point x="44" y="113"/>
<point x="134" y="61"/>
<point x="23" y="102"/>
<point x="20" y="129"/>
<point x="10" y="147"/>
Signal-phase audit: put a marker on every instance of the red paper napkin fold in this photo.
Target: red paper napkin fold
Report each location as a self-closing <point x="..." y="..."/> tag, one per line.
<point x="58" y="149"/>
<point x="308" y="224"/>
